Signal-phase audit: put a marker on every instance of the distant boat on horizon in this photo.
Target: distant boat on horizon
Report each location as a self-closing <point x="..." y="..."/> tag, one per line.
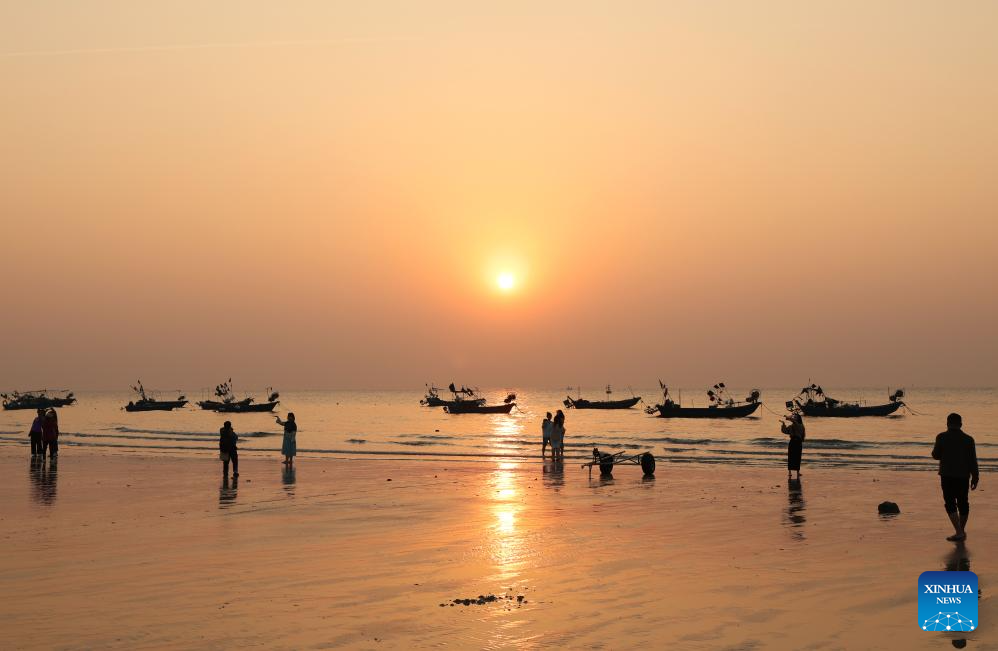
<point x="721" y="406"/>
<point x="812" y="401"/>
<point x="582" y="403"/>
<point x="146" y="403"/>
<point x="36" y="399"/>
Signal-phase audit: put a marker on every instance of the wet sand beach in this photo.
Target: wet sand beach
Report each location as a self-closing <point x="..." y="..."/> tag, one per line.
<point x="133" y="551"/>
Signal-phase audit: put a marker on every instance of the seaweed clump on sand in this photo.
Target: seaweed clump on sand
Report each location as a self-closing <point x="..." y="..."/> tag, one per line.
<point x="483" y="599"/>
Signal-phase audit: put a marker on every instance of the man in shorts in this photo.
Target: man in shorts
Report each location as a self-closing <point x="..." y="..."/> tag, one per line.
<point x="958" y="471"/>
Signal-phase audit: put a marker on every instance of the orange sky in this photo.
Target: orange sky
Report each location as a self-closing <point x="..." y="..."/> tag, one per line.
<point x="322" y="194"/>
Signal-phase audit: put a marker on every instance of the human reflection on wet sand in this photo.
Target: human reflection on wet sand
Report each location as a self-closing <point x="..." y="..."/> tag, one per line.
<point x="958" y="559"/>
<point x="44" y="477"/>
<point x="795" y="517"/>
<point x="227" y="492"/>
<point x="554" y="474"/>
<point x="288" y="480"/>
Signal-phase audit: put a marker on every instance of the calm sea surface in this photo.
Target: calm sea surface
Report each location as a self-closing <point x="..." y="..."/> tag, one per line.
<point x="392" y="424"/>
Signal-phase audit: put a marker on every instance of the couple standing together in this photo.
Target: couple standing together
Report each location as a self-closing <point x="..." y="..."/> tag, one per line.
<point x="44" y="434"/>
<point x="553" y="433"/>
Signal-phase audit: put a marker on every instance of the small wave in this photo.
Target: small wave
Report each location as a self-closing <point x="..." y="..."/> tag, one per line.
<point x="838" y="444"/>
<point x="356" y="440"/>
<point x="682" y="441"/>
<point x="173" y="432"/>
<point x="433" y="437"/>
<point x="419" y="443"/>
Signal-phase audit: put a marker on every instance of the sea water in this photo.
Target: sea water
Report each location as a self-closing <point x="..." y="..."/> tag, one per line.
<point x="392" y="424"/>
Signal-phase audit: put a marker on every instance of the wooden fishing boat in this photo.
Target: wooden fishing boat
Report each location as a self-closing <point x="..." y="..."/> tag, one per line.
<point x="38" y="399"/>
<point x="147" y="403"/>
<point x="155" y="405"/>
<point x="813" y="402"/>
<point x="241" y="408"/>
<point x="470" y="407"/>
<point x="229" y="405"/>
<point x="464" y="394"/>
<point x="582" y="403"/>
<point x="714" y="411"/>
<point x="721" y="406"/>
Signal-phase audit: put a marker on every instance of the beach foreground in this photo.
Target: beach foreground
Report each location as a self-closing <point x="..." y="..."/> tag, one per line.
<point x="157" y="551"/>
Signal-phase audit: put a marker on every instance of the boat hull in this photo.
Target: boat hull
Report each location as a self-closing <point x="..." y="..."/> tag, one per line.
<point x="819" y="410"/>
<point x="582" y="403"/>
<point x="440" y="402"/>
<point x="236" y="408"/>
<point x="738" y="411"/>
<point x="465" y="408"/>
<point x="214" y="405"/>
<point x="156" y="405"/>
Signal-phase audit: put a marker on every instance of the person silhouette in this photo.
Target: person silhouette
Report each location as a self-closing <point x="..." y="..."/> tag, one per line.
<point x="50" y="434"/>
<point x="558" y="436"/>
<point x="546" y="426"/>
<point x="289" y="447"/>
<point x="36" y="434"/>
<point x="227" y="438"/>
<point x="795" y="447"/>
<point x="957" y="455"/>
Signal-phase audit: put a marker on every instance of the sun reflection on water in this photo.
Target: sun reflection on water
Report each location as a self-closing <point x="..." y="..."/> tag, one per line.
<point x="506" y="546"/>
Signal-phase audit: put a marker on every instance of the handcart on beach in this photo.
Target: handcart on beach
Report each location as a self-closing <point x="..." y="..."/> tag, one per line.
<point x="607" y="461"/>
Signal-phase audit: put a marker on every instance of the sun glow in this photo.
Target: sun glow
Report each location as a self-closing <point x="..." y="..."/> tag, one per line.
<point x="506" y="281"/>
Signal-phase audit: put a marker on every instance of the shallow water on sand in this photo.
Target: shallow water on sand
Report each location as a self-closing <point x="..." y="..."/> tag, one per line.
<point x="392" y="424"/>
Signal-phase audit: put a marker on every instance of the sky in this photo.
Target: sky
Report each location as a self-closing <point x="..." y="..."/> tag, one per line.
<point x="323" y="194"/>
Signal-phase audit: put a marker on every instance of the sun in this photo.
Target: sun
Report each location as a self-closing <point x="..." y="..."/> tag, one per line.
<point x="506" y="281"/>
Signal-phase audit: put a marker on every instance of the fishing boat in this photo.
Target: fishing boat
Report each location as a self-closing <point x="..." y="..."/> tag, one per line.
<point x="147" y="403"/>
<point x="253" y="407"/>
<point x="38" y="399"/>
<point x="582" y="403"/>
<point x="469" y="407"/>
<point x="813" y="402"/>
<point x="721" y="405"/>
<point x="464" y="394"/>
<point x="228" y="404"/>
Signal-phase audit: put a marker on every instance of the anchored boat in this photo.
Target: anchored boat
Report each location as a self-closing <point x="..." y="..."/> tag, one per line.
<point x="813" y="402"/>
<point x="147" y="403"/>
<point x="721" y="406"/>
<point x="38" y="399"/>
<point x="582" y="403"/>
<point x="228" y="404"/>
<point x="464" y="394"/>
<point x="469" y="407"/>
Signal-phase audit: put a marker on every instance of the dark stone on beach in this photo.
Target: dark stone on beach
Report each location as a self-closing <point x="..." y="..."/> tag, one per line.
<point x="888" y="508"/>
<point x="389" y="479"/>
<point x="480" y="601"/>
<point x="519" y="598"/>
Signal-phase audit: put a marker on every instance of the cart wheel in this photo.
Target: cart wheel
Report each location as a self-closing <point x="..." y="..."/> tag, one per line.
<point x="648" y="464"/>
<point x="606" y="464"/>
